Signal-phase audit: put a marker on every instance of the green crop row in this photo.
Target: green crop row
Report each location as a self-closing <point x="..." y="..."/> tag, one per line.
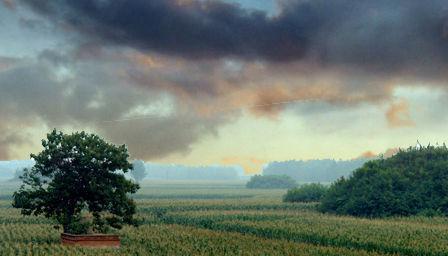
<point x="146" y="206"/>
<point x="161" y="240"/>
<point x="386" y="236"/>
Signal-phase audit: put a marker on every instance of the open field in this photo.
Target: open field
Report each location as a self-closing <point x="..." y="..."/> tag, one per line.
<point x="227" y="219"/>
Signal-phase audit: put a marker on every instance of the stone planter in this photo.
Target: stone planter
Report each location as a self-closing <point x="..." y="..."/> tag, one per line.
<point x="95" y="240"/>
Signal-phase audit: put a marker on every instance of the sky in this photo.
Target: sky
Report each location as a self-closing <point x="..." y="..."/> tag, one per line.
<point x="236" y="82"/>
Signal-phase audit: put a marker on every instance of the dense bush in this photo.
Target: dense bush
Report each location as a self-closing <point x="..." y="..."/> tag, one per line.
<point x="271" y="181"/>
<point x="306" y="193"/>
<point x="414" y="181"/>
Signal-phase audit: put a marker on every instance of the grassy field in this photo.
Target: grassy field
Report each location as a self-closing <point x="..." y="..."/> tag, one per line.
<point x="203" y="218"/>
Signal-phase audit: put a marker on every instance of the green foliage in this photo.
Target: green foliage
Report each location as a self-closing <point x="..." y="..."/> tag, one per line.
<point x="271" y="182"/>
<point x="306" y="193"/>
<point x="414" y="181"/>
<point x="138" y="171"/>
<point x="80" y="225"/>
<point x="76" y="173"/>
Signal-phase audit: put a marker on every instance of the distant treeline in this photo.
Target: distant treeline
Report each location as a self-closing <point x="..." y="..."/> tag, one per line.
<point x="327" y="170"/>
<point x="302" y="171"/>
<point x="10" y="169"/>
<point x="182" y="172"/>
<point x="271" y="182"/>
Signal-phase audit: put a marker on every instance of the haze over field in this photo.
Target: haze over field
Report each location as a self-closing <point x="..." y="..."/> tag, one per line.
<point x="225" y="83"/>
<point x="326" y="170"/>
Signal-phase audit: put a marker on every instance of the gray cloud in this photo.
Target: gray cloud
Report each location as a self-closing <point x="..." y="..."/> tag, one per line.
<point x="407" y="36"/>
<point x="8" y="3"/>
<point x="84" y="94"/>
<point x="7" y="62"/>
<point x="7" y="140"/>
<point x="194" y="30"/>
<point x="152" y="138"/>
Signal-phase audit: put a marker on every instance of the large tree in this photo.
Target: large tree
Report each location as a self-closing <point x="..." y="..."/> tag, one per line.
<point x="79" y="175"/>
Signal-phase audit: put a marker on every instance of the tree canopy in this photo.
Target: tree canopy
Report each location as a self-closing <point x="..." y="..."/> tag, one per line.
<point x="77" y="174"/>
<point x="414" y="181"/>
<point x="271" y="182"/>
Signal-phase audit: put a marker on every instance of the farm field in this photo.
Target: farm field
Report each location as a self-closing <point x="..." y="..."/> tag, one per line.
<point x="222" y="218"/>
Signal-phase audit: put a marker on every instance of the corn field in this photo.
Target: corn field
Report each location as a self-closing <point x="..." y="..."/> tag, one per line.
<point x="249" y="224"/>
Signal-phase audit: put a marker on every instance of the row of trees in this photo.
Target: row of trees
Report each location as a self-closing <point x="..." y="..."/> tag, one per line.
<point x="185" y="172"/>
<point x="271" y="182"/>
<point x="323" y="171"/>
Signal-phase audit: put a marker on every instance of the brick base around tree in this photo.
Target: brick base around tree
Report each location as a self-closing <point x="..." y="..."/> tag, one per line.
<point x="96" y="240"/>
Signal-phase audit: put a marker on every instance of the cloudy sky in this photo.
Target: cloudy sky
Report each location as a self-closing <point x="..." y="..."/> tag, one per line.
<point x="228" y="81"/>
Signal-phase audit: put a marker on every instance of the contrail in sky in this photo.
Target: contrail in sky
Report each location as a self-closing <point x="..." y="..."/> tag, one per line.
<point x="222" y="111"/>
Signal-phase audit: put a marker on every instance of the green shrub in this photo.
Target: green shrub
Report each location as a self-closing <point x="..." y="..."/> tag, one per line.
<point x="306" y="193"/>
<point x="414" y="181"/>
<point x="79" y="226"/>
<point x="271" y="182"/>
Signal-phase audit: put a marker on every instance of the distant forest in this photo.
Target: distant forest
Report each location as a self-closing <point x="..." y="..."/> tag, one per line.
<point x="182" y="172"/>
<point x="326" y="170"/>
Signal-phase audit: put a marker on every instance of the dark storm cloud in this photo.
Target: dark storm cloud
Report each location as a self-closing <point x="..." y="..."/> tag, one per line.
<point x="192" y="30"/>
<point x="379" y="35"/>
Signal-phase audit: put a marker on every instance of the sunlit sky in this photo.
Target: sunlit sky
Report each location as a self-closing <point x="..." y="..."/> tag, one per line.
<point x="237" y="82"/>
